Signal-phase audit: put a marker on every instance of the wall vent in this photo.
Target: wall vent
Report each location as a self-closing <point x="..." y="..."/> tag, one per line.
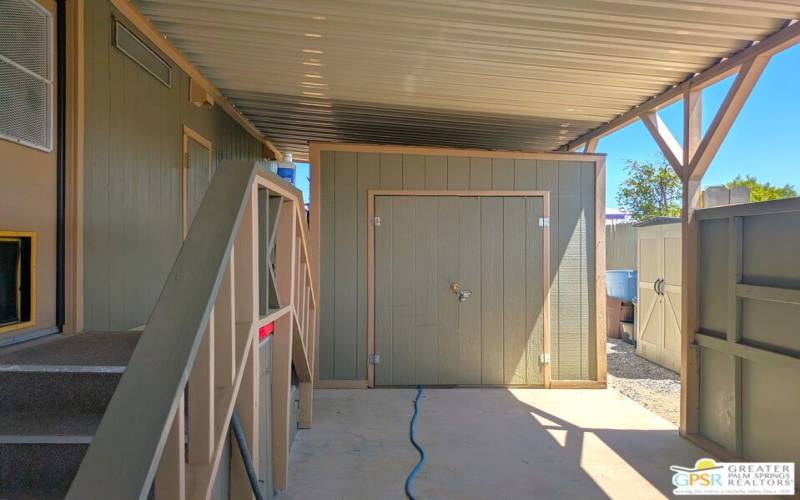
<point x="26" y="67"/>
<point x="133" y="47"/>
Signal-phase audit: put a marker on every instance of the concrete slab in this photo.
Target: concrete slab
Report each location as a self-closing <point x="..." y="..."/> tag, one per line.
<point x="486" y="443"/>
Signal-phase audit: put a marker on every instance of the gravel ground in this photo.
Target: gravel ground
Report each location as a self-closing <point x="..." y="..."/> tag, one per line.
<point x="647" y="383"/>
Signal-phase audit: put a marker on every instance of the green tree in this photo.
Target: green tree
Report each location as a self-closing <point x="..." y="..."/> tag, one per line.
<point x="762" y="191"/>
<point x="651" y="190"/>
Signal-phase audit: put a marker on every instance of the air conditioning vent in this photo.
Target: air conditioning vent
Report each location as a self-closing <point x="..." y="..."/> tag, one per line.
<point x="26" y="86"/>
<point x="133" y="47"/>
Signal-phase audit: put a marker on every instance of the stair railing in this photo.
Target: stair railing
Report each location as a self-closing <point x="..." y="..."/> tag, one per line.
<point x="197" y="359"/>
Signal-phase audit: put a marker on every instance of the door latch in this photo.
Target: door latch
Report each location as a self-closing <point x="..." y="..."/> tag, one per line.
<point x="374" y="359"/>
<point x="376" y="221"/>
<point x="544" y="358"/>
<point x="463" y="293"/>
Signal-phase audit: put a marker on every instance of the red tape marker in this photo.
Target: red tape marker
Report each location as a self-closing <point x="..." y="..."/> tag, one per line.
<point x="265" y="331"/>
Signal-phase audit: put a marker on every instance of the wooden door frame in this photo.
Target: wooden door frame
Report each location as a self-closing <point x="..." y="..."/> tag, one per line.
<point x="189" y="133"/>
<point x="372" y="193"/>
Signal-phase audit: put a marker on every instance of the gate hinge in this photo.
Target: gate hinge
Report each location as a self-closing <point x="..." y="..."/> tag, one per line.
<point x="374" y="359"/>
<point x="544" y="221"/>
<point x="544" y="358"/>
<point x="376" y="221"/>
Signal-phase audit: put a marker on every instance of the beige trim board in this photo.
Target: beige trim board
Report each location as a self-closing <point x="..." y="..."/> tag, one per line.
<point x="76" y="118"/>
<point x="577" y="384"/>
<point x="149" y="30"/>
<point x="315" y="148"/>
<point x="189" y="133"/>
<point x="372" y="193"/>
<point x="340" y="384"/>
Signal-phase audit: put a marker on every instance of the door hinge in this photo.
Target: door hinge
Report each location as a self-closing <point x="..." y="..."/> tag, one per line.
<point x="544" y="221"/>
<point x="376" y="221"/>
<point x="374" y="359"/>
<point x="544" y="358"/>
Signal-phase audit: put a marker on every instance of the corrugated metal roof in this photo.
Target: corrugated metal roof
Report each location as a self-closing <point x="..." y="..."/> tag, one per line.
<point x="513" y="74"/>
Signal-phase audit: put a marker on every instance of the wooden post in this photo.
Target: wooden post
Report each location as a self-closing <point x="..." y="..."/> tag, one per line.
<point x="247" y="408"/>
<point x="690" y="367"/>
<point x="245" y="273"/>
<point x="224" y="329"/>
<point x="734" y="331"/>
<point x="201" y="400"/>
<point x="170" y="481"/>
<point x="281" y="399"/>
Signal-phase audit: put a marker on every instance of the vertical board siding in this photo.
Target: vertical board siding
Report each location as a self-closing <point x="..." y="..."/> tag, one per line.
<point x="514" y="344"/>
<point x="469" y="317"/>
<point x="425" y="286"/>
<point x="344" y="263"/>
<point x="327" y="324"/>
<point x="133" y="156"/>
<point x="492" y="287"/>
<point x="448" y="223"/>
<point x="572" y="212"/>
<point x="369" y="177"/>
<point x="402" y="310"/>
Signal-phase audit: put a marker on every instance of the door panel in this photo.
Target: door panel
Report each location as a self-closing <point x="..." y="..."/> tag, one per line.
<point x="514" y="344"/>
<point x="469" y="312"/>
<point x="448" y="257"/>
<point x="492" y="288"/>
<point x="196" y="176"/>
<point x="493" y="247"/>
<point x="402" y="264"/>
<point x="425" y="300"/>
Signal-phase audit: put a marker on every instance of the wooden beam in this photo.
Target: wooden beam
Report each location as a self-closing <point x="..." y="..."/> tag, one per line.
<point x="692" y="125"/>
<point x="733" y="328"/>
<point x="170" y="481"/>
<point x="201" y="400"/>
<point x="247" y="408"/>
<point x="591" y="145"/>
<point x="757" y="354"/>
<point x="665" y="140"/>
<point x="224" y="329"/>
<point x="690" y="367"/>
<point x="281" y="399"/>
<point x="768" y="294"/>
<point x="778" y="41"/>
<point x="726" y="115"/>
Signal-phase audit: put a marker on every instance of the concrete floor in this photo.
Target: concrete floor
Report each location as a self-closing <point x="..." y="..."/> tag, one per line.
<point x="486" y="444"/>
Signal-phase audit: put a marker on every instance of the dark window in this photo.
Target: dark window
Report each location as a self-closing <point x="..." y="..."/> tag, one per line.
<point x="15" y="279"/>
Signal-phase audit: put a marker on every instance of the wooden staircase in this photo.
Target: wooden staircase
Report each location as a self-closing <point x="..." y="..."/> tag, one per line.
<point x="54" y="393"/>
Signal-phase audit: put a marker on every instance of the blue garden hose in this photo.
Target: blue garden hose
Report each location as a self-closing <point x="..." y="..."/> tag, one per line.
<point x="412" y="436"/>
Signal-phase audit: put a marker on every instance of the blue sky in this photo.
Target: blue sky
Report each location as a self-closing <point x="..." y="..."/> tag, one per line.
<point x="762" y="142"/>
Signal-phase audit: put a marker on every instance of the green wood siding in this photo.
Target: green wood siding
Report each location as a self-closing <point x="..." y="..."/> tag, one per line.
<point x="133" y="148"/>
<point x="749" y="362"/>
<point x="345" y="179"/>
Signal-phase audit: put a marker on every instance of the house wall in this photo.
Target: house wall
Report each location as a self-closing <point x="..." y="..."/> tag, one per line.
<point x="28" y="203"/>
<point x="133" y="157"/>
<point x="346" y="176"/>
<point x="748" y="340"/>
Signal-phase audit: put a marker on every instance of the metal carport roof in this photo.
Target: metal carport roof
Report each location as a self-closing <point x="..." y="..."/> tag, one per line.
<point x="514" y="74"/>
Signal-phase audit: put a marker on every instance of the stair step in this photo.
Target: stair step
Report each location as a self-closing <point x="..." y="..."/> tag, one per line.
<point x="54" y="393"/>
<point x="39" y="463"/>
<point x="69" y="390"/>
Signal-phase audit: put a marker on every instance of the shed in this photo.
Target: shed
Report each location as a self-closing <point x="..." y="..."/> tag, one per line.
<point x="458" y="267"/>
<point x="658" y="311"/>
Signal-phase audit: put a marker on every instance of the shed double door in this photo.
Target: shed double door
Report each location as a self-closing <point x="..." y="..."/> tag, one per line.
<point x="430" y="248"/>
<point x="658" y="312"/>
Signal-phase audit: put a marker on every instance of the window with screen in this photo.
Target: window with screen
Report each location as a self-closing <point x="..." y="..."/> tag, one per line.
<point x="26" y="85"/>
<point x="17" y="255"/>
